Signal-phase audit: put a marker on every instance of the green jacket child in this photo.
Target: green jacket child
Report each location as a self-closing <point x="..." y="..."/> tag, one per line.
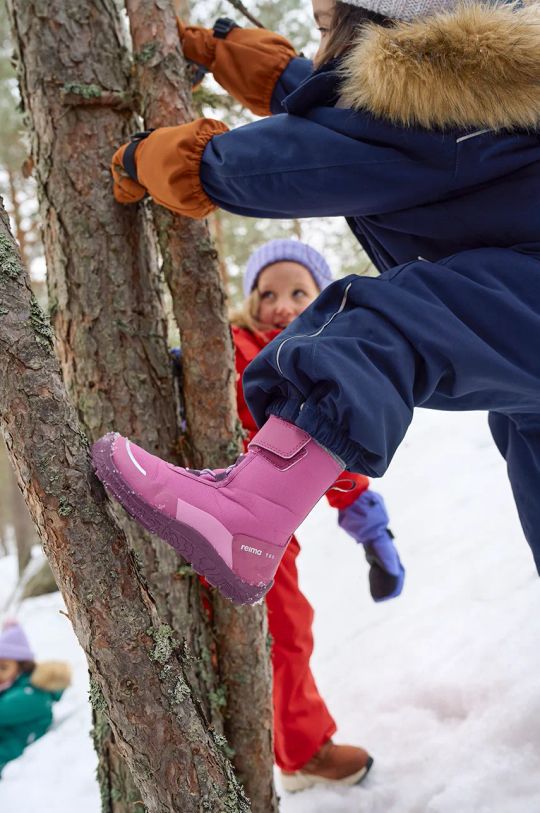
<point x="27" y="693"/>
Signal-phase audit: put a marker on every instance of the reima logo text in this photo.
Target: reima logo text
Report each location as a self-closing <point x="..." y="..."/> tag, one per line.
<point x="251" y="550"/>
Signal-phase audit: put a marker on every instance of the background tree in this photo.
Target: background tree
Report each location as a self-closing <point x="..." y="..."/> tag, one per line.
<point x="14" y="515"/>
<point x="193" y="275"/>
<point x="19" y="191"/>
<point x="16" y="183"/>
<point x="111" y="335"/>
<point x="5" y="523"/>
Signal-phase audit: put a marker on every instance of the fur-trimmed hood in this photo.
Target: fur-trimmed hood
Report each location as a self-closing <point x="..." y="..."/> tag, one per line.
<point x="51" y="676"/>
<point x="478" y="66"/>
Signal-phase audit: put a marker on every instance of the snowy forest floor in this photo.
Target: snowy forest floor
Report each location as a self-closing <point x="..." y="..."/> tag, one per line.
<point x="441" y="685"/>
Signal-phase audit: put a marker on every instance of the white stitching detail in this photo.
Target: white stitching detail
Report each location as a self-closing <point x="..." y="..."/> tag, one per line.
<point x="473" y="135"/>
<point x="317" y="333"/>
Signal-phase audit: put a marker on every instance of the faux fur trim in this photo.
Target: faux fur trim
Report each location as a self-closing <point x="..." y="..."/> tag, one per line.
<point x="477" y="66"/>
<point x="51" y="676"/>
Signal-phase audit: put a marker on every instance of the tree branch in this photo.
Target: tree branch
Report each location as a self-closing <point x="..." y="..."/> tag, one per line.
<point x="239" y="6"/>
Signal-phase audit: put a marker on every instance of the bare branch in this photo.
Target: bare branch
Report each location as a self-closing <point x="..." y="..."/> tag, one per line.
<point x="239" y="6"/>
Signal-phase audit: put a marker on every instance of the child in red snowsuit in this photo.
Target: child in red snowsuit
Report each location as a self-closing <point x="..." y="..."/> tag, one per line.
<point x="278" y="288"/>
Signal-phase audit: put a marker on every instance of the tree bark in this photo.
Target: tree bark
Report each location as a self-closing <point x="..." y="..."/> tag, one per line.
<point x="103" y="285"/>
<point x="190" y="259"/>
<point x="193" y="274"/>
<point x="137" y="663"/>
<point x="217" y="229"/>
<point x="5" y="474"/>
<point x="242" y="640"/>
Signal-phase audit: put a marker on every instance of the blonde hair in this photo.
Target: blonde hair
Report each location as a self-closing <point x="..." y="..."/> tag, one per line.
<point x="246" y="315"/>
<point x="346" y="22"/>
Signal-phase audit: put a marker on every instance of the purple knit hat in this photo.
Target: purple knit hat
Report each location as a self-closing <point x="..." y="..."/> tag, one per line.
<point x="14" y="644"/>
<point x="277" y="251"/>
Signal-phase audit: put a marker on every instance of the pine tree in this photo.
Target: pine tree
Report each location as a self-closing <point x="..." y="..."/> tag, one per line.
<point x="16" y="184"/>
<point x="110" y="338"/>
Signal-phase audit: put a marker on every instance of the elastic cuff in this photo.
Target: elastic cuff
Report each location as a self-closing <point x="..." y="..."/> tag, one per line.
<point x="198" y="204"/>
<point x="334" y="456"/>
<point x="267" y="91"/>
<point x="326" y="433"/>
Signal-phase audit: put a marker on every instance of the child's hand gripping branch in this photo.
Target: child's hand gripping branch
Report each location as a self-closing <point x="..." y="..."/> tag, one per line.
<point x="246" y="62"/>
<point x="143" y="164"/>
<point x="366" y="520"/>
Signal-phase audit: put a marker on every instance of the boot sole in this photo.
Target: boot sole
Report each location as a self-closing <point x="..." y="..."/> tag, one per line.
<point x="292" y="783"/>
<point x="186" y="541"/>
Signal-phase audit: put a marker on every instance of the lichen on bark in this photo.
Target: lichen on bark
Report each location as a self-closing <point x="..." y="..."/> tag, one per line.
<point x="164" y="643"/>
<point x="9" y="267"/>
<point x="40" y="324"/>
<point x="85" y="91"/>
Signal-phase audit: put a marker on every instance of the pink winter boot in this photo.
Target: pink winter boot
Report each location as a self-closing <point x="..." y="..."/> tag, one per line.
<point x="232" y="525"/>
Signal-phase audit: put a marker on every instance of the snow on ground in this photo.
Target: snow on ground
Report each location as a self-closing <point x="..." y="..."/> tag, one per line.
<point x="440" y="685"/>
<point x="57" y="773"/>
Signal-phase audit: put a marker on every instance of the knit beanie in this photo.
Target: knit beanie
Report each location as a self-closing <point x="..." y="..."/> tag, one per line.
<point x="14" y="644"/>
<point x="277" y="251"/>
<point x="405" y="9"/>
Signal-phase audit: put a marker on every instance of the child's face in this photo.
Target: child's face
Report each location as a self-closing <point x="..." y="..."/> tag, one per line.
<point x="285" y="289"/>
<point x="323" y="11"/>
<point x="9" y="670"/>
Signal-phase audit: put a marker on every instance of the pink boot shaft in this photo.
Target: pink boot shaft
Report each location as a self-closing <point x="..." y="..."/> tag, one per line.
<point x="231" y="525"/>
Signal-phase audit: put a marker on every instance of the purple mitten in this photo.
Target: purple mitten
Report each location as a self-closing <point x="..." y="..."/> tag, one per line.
<point x="366" y="520"/>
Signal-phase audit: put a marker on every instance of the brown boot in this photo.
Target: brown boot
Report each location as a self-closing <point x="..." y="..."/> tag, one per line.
<point x="331" y="765"/>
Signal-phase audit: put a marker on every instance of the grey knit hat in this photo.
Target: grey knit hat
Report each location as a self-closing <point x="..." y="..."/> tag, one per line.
<point x="405" y="9"/>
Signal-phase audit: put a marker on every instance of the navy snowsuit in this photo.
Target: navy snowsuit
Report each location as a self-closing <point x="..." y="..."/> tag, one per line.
<point x="451" y="216"/>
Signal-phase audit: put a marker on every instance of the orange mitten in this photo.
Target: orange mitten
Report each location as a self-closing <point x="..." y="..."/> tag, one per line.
<point x="198" y="44"/>
<point x="166" y="164"/>
<point x="125" y="189"/>
<point x="246" y="62"/>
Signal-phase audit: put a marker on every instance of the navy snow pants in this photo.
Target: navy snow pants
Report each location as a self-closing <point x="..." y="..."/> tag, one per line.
<point x="459" y="334"/>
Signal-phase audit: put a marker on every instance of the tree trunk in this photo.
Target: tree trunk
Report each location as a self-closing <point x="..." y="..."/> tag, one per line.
<point x="217" y="228"/>
<point x="193" y="273"/>
<point x="190" y="259"/>
<point x="244" y="660"/>
<point x="23" y="527"/>
<point x="5" y="475"/>
<point x="103" y="284"/>
<point x="137" y="664"/>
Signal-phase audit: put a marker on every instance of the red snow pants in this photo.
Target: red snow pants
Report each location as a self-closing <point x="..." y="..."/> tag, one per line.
<point x="302" y="722"/>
